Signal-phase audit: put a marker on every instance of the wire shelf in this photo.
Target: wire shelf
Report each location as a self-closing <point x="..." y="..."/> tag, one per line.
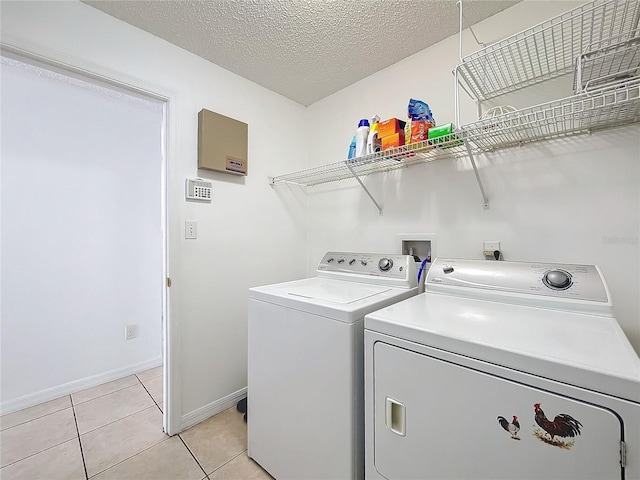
<point x="391" y="159"/>
<point x="608" y="61"/>
<point x="546" y="51"/>
<point x="611" y="106"/>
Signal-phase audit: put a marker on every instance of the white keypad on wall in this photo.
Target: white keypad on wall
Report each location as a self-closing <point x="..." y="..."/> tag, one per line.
<point x="199" y="189"/>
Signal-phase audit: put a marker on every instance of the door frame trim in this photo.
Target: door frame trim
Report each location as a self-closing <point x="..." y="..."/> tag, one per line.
<point x="69" y="65"/>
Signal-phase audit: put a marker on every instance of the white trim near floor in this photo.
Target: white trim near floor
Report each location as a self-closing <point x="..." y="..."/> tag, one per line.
<point x="213" y="408"/>
<point x="75" y="386"/>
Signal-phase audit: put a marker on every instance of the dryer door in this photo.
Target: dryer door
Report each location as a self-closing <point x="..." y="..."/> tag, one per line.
<point x="436" y="419"/>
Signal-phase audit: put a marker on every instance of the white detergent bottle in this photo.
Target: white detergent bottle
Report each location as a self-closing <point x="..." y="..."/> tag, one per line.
<point x="372" y="140"/>
<point x="362" y="134"/>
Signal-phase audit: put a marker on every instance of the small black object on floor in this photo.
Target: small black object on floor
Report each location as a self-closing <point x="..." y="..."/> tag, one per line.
<point x="242" y="407"/>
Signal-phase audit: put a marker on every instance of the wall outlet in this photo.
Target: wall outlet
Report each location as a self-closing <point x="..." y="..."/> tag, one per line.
<point x="130" y="332"/>
<point x="190" y="229"/>
<point x="490" y="247"/>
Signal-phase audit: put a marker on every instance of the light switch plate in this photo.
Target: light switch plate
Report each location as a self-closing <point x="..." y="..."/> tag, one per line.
<point x="190" y="230"/>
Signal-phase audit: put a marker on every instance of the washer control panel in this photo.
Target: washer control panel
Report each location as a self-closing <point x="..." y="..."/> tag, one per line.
<point x="373" y="265"/>
<point x="567" y="281"/>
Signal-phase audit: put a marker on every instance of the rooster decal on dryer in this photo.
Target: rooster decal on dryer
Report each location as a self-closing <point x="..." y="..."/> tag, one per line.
<point x="512" y="427"/>
<point x="563" y="426"/>
<point x="552" y="432"/>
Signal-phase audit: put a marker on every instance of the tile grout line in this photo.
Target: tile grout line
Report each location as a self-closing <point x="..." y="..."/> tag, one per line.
<point x="44" y="449"/>
<point x="104" y="395"/>
<point x="36" y="418"/>
<point x="37" y="453"/>
<point x="140" y="452"/>
<point x="132" y="456"/>
<point x="99" y="396"/>
<point x="206" y="475"/>
<point x="75" y="419"/>
<point x="147" y="379"/>
<point x="229" y="461"/>
<point x="114" y="421"/>
<point x="145" y="387"/>
<point x="126" y="416"/>
<point x="147" y="390"/>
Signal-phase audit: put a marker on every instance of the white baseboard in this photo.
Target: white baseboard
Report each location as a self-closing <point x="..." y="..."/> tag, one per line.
<point x="202" y="413"/>
<point x="52" y="393"/>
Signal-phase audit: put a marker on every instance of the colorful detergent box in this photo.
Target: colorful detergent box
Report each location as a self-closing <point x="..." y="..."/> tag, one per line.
<point x="442" y="135"/>
<point x="420" y="130"/>
<point x="394" y="140"/>
<point x="389" y="127"/>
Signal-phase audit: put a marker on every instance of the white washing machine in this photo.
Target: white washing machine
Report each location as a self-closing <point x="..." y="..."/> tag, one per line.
<point x="305" y="366"/>
<point x="502" y="370"/>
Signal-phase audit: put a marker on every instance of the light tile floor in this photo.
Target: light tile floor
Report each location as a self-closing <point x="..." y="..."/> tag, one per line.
<point x="114" y="432"/>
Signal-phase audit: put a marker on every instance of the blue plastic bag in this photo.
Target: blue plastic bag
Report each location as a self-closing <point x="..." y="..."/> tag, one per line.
<point x="419" y="110"/>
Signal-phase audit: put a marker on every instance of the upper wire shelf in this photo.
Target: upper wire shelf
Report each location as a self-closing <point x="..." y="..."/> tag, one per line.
<point x="607" y="107"/>
<point x="608" y="61"/>
<point x="547" y="50"/>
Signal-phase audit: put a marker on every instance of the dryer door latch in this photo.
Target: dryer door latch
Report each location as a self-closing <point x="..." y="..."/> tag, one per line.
<point x="395" y="417"/>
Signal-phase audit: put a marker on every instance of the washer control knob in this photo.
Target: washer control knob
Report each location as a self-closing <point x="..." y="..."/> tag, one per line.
<point x="330" y="260"/>
<point x="341" y="260"/>
<point x="385" y="264"/>
<point x="352" y="261"/>
<point x="557" y="279"/>
<point x="363" y="263"/>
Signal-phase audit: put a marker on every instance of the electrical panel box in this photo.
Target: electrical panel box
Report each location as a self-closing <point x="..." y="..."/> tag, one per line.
<point x="222" y="143"/>
<point x="198" y="189"/>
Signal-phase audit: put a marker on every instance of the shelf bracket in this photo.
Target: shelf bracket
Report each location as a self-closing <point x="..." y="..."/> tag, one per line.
<point x="475" y="170"/>
<point x="365" y="188"/>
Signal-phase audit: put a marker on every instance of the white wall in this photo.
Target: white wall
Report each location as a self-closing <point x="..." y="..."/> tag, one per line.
<point x="574" y="200"/>
<point x="250" y="234"/>
<point x="254" y="234"/>
<point x="81" y="233"/>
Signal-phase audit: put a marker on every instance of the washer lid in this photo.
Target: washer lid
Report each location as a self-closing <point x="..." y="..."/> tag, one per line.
<point x="341" y="300"/>
<point x="589" y="351"/>
<point x="326" y="290"/>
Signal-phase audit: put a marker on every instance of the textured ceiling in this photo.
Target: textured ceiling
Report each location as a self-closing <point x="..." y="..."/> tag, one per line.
<point x="302" y="49"/>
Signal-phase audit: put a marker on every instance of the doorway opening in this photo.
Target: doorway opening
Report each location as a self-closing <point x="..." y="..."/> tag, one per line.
<point x="84" y="231"/>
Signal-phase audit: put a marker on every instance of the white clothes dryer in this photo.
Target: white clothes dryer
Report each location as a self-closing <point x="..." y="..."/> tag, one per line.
<point x="502" y="370"/>
<point x="305" y="413"/>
